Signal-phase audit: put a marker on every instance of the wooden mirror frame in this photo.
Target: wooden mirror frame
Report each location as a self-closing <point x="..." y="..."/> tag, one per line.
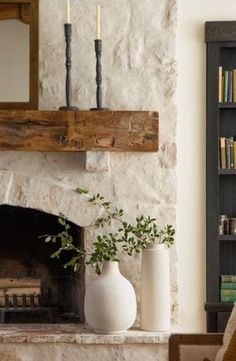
<point x="14" y="9"/>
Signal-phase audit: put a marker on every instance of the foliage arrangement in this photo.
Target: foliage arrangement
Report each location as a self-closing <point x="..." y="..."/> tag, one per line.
<point x="129" y="238"/>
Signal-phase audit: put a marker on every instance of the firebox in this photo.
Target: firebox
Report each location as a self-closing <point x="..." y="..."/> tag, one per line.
<point x="33" y="286"/>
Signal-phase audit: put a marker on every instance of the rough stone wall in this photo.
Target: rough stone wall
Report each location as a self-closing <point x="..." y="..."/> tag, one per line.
<point x="67" y="352"/>
<point x="139" y="71"/>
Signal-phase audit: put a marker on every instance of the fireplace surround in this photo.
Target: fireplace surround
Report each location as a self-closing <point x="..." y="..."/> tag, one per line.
<point x="139" y="48"/>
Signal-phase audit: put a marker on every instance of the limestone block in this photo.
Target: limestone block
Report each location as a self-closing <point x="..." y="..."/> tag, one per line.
<point x="45" y="196"/>
<point x="5" y="182"/>
<point x="19" y="192"/>
<point x="65" y="352"/>
<point x="78" y="210"/>
<point x="97" y="161"/>
<point x="167" y="155"/>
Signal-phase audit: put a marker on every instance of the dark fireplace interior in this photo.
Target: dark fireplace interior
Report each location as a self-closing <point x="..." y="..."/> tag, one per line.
<point x="24" y="257"/>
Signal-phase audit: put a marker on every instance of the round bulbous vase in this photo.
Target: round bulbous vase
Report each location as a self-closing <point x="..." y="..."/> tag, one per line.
<point x="155" y="289"/>
<point x="110" y="301"/>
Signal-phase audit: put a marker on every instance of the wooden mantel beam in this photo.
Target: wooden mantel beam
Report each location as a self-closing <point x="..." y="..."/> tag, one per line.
<point x="59" y="131"/>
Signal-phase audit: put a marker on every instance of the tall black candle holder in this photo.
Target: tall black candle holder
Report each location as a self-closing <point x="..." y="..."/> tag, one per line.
<point x="98" y="52"/>
<point x="68" y="38"/>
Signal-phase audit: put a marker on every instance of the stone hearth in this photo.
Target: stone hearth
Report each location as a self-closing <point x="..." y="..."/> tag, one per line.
<point x="73" y="342"/>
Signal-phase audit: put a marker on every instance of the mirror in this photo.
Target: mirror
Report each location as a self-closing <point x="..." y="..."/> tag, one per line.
<point x="19" y="54"/>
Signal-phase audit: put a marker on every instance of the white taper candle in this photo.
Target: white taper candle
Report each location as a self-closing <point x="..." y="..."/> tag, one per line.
<point x="98" y="34"/>
<point x="68" y="11"/>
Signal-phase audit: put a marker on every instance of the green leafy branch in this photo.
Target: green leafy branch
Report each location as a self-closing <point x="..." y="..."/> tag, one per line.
<point x="67" y="245"/>
<point x="129" y="238"/>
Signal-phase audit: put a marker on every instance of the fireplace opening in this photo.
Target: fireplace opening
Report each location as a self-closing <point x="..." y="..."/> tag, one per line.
<point x="34" y="288"/>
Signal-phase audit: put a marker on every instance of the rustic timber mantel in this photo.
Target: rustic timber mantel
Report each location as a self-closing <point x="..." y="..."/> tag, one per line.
<point x="60" y="131"/>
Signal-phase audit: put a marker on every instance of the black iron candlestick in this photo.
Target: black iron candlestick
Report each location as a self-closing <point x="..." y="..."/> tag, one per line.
<point x="98" y="52"/>
<point x="68" y="38"/>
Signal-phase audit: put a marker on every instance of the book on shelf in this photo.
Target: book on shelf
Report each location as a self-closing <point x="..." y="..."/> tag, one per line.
<point x="227" y="153"/>
<point x="226" y="85"/>
<point x="230" y="87"/>
<point x="231" y="152"/>
<point x="228" y="278"/>
<point x="220" y="85"/>
<point x="222" y="153"/>
<point x="228" y="285"/>
<point x="228" y="298"/>
<point x="227" y="295"/>
<point x="227" y="149"/>
<point x="228" y="292"/>
<point x="234" y="152"/>
<point x="234" y="85"/>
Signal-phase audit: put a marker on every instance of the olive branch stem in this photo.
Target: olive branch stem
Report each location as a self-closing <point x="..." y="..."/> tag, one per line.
<point x="131" y="238"/>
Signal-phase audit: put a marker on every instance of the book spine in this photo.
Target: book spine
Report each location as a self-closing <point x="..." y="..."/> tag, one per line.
<point x="220" y="85"/>
<point x="234" y="85"/>
<point x="222" y="153"/>
<point x="226" y="86"/>
<point x="230" y="87"/>
<point x="224" y="292"/>
<point x="219" y="155"/>
<point x="227" y="295"/>
<point x="228" y="278"/>
<point x="231" y="151"/>
<point x="227" y="149"/>
<point x="223" y="87"/>
<point x="228" y="298"/>
<point x="234" y="152"/>
<point x="228" y="286"/>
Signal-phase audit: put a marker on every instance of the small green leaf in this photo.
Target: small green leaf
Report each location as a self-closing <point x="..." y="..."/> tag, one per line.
<point x="81" y="191"/>
<point x="61" y="221"/>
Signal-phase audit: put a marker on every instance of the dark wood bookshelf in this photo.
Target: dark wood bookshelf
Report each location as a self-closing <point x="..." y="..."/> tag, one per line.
<point x="227" y="105"/>
<point x="227" y="237"/>
<point x="220" y="306"/>
<point x="220" y="38"/>
<point x="227" y="171"/>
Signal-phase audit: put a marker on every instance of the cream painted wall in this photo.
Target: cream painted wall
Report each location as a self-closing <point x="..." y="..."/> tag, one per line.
<point x="191" y="154"/>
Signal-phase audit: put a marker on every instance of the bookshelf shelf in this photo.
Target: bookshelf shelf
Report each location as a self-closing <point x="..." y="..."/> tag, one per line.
<point x="227" y="237"/>
<point x="227" y="171"/>
<point x="220" y="38"/>
<point x="219" y="306"/>
<point x="227" y="105"/>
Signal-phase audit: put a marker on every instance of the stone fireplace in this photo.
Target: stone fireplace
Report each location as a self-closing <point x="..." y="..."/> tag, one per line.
<point x="139" y="64"/>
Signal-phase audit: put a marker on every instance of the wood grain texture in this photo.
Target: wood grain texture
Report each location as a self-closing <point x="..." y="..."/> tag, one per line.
<point x="177" y="340"/>
<point x="10" y="11"/>
<point x="20" y="282"/>
<point x="62" y="131"/>
<point x="220" y="31"/>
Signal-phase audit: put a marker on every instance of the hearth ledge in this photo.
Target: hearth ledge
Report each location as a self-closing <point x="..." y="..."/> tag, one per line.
<point x="76" y="334"/>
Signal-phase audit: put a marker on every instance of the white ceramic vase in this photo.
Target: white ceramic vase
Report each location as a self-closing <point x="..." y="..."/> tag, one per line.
<point x="155" y="289"/>
<point x="110" y="301"/>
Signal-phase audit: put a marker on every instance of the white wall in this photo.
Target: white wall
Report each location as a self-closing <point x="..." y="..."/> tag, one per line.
<point x="191" y="154"/>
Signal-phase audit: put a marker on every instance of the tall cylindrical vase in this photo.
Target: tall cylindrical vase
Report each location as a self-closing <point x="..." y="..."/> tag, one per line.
<point x="110" y="301"/>
<point x="155" y="289"/>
